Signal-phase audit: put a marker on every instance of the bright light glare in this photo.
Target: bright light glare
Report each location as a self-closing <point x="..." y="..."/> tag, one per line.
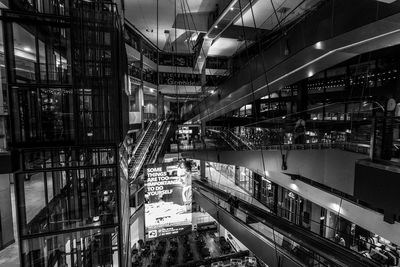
<point x="335" y="207"/>
<point x="294" y="187"/>
<point x="318" y="45"/>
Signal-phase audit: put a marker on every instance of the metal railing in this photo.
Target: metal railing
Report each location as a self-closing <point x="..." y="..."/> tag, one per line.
<point x="267" y="230"/>
<point x="158" y="144"/>
<point x="140" y="139"/>
<point x="267" y="233"/>
<point x="242" y="144"/>
<point x="138" y="167"/>
<point x="297" y="218"/>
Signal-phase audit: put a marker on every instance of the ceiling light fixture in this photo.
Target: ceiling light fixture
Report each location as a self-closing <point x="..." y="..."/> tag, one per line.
<point x="318" y="45"/>
<point x="232" y="8"/>
<point x="27" y="49"/>
<point x="305" y="65"/>
<point x="216" y="26"/>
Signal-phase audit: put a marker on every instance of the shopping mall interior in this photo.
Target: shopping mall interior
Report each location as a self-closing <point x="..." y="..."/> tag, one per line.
<point x="199" y="133"/>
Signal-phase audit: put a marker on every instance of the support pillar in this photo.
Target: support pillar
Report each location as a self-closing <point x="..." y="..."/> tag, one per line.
<point x="302" y="99"/>
<point x="160" y="106"/>
<point x="202" y="169"/>
<point x="237" y="175"/>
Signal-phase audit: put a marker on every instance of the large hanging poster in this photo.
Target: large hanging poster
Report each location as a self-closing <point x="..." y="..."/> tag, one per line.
<point x="168" y="199"/>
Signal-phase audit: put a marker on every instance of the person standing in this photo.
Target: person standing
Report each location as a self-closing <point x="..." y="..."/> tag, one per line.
<point x="300" y="132"/>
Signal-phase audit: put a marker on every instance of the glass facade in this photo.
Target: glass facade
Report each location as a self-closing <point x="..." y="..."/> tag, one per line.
<point x="244" y="179"/>
<point x="65" y="70"/>
<point x="69" y="199"/>
<point x="92" y="247"/>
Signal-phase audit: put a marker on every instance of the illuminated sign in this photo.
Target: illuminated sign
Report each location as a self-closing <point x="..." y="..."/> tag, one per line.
<point x="185" y="131"/>
<point x="168" y="199"/>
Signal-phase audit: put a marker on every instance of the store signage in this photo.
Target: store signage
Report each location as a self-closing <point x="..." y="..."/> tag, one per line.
<point x="180" y="79"/>
<point x="171" y="81"/>
<point x="168" y="199"/>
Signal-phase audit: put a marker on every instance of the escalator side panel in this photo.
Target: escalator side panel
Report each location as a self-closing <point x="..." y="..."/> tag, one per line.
<point x="262" y="248"/>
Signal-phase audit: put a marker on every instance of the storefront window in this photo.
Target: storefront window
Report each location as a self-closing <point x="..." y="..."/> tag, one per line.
<point x="267" y="193"/>
<point x="245" y="179"/>
<point x="227" y="170"/>
<point x="245" y="110"/>
<point x="290" y="205"/>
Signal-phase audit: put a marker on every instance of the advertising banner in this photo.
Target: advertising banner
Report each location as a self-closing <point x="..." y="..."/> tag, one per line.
<point x="168" y="199"/>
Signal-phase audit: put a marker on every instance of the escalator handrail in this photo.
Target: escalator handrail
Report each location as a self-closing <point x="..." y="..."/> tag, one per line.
<point x="251" y="229"/>
<point x="309" y="234"/>
<point x="160" y="142"/>
<point x="137" y="168"/>
<point x="140" y="139"/>
<point x="245" y="142"/>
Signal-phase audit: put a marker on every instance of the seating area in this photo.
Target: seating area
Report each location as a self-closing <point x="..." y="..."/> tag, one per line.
<point x="187" y="249"/>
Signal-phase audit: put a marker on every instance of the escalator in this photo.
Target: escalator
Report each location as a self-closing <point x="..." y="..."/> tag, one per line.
<point x="155" y="140"/>
<point x="235" y="141"/>
<point x="225" y="140"/>
<point x="239" y="143"/>
<point x="275" y="240"/>
<point x="330" y="34"/>
<point x="140" y="150"/>
<point x="160" y="143"/>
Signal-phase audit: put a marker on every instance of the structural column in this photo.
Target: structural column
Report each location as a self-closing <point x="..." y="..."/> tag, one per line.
<point x="302" y="99"/>
<point x="160" y="106"/>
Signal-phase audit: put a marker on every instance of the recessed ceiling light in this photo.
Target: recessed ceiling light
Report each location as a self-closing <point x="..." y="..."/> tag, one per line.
<point x="232" y="8"/>
<point x="318" y="45"/>
<point x="216" y="26"/>
<point x="310" y="73"/>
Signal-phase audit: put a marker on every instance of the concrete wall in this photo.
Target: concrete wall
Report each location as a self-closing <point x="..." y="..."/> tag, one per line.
<point x="331" y="167"/>
<point x="366" y="218"/>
